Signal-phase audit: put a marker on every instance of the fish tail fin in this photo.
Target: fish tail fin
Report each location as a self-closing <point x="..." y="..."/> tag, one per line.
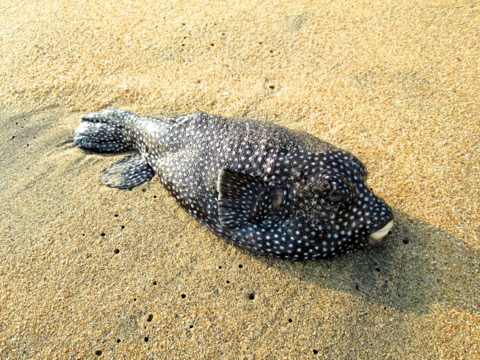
<point x="104" y="131"/>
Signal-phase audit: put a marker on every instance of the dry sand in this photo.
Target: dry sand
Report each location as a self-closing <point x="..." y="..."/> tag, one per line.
<point x="397" y="83"/>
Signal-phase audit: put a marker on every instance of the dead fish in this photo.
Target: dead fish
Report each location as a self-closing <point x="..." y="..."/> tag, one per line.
<point x="260" y="186"/>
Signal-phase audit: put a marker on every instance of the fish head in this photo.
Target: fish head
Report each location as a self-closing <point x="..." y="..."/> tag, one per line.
<point x="337" y="202"/>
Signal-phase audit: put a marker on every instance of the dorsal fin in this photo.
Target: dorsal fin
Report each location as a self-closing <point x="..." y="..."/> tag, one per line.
<point x="243" y="198"/>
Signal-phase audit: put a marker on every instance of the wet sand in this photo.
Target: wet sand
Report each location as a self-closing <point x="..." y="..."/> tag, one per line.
<point x="87" y="271"/>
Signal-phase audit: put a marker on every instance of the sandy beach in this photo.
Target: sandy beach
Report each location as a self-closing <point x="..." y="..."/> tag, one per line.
<point x="87" y="271"/>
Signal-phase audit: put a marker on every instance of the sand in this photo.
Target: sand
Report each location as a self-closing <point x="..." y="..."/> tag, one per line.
<point x="88" y="272"/>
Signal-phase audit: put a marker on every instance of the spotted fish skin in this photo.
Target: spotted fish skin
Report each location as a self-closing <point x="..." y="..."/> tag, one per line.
<point x="260" y="186"/>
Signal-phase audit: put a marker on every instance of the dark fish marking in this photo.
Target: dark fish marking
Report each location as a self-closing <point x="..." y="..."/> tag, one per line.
<point x="263" y="187"/>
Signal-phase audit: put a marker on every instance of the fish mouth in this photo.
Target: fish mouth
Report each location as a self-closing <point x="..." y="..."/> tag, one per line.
<point x="375" y="239"/>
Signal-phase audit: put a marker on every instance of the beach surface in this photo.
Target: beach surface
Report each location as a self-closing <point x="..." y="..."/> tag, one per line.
<point x="87" y="271"/>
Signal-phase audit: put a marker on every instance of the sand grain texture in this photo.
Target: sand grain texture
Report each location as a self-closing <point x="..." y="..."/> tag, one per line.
<point x="87" y="271"/>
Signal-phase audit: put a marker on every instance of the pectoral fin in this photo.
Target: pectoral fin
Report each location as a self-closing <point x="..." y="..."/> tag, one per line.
<point x="244" y="198"/>
<point x="127" y="173"/>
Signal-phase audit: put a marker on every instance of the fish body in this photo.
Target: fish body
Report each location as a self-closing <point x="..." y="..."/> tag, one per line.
<point x="260" y="186"/>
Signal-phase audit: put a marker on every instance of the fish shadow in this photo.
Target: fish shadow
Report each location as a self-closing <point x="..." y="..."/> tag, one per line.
<point x="419" y="265"/>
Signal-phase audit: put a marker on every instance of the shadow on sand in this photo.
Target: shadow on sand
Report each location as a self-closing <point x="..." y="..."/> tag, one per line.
<point x="419" y="265"/>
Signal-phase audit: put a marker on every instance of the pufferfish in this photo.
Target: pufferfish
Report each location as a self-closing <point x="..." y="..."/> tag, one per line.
<point x="265" y="188"/>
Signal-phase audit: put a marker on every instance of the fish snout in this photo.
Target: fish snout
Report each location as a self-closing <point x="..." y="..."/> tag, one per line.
<point x="376" y="238"/>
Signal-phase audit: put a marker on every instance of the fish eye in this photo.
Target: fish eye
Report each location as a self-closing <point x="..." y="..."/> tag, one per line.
<point x="336" y="196"/>
<point x="341" y="191"/>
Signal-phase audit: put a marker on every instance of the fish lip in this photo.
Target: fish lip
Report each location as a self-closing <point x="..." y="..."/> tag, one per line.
<point x="377" y="238"/>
